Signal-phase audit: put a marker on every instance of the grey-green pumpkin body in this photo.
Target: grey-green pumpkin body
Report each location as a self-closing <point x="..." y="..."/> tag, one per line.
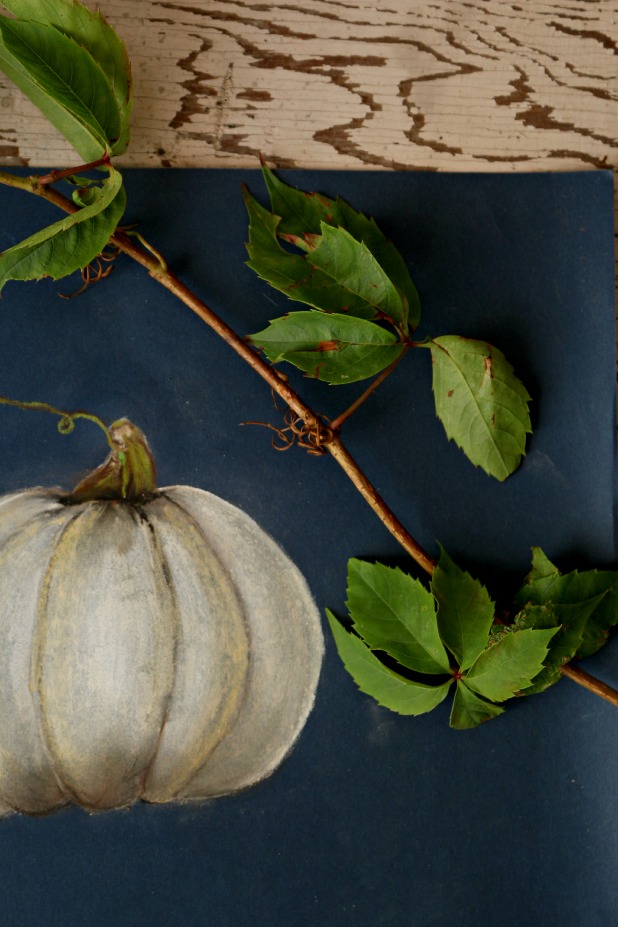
<point x="160" y="651"/>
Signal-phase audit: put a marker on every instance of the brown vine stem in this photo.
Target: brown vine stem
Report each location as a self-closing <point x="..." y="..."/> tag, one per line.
<point x="591" y="683"/>
<point x="152" y="262"/>
<point x="334" y="446"/>
<point x="338" y="422"/>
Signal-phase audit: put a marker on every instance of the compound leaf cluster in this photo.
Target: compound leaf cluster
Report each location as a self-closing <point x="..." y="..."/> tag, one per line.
<point x="407" y="645"/>
<point x="363" y="310"/>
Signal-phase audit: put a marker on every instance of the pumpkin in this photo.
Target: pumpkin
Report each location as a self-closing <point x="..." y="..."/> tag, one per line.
<point x="154" y="644"/>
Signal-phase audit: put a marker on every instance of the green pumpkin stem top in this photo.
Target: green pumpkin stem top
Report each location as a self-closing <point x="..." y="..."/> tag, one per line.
<point x="128" y="473"/>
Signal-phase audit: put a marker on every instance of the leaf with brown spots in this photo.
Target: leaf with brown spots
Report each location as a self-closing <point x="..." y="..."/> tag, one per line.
<point x="330" y="347"/>
<point x="481" y="403"/>
<point x="291" y="273"/>
<point x="303" y="216"/>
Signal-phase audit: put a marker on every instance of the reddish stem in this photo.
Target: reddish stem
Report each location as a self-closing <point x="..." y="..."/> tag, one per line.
<point x="54" y="176"/>
<point x="338" y="422"/>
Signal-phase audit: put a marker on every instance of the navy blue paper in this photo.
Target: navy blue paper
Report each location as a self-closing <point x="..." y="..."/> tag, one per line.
<point x="374" y="819"/>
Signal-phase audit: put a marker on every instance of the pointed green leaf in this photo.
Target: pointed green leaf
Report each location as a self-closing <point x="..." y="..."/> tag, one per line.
<point x="542" y="567"/>
<point x="469" y="710"/>
<point x="373" y="678"/>
<point x="481" y="403"/>
<point x="69" y="244"/>
<point x="90" y="30"/>
<point x="465" y="611"/>
<point x="63" y="80"/>
<point x="330" y="347"/>
<point x="563" y="646"/>
<point x="290" y="273"/>
<point x="352" y="265"/>
<point x="395" y="613"/>
<point x="587" y="600"/>
<point x="300" y="212"/>
<point x="303" y="213"/>
<point x="386" y="254"/>
<point x="509" y="666"/>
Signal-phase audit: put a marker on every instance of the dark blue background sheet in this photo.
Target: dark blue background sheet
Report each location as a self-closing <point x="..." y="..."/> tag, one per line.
<point x="374" y="819"/>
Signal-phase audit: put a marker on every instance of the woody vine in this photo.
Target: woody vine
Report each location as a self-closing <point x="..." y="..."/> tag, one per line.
<point x="406" y="644"/>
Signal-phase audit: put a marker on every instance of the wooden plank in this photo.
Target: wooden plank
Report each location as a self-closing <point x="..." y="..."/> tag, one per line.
<point x="489" y="86"/>
<point x="465" y="85"/>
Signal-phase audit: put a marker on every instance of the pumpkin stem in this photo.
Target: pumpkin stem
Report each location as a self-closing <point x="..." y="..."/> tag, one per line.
<point x="128" y="473"/>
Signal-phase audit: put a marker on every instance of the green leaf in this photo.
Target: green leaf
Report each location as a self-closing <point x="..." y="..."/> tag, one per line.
<point x="334" y="348"/>
<point x="64" y="81"/>
<point x="290" y="273"/>
<point x="373" y="678"/>
<point x="542" y="567"/>
<point x="352" y="265"/>
<point x="481" y="403"/>
<point x="465" y="611"/>
<point x="303" y="213"/>
<point x="69" y="244"/>
<point x="510" y="665"/>
<point x="91" y="31"/>
<point x="395" y="613"/>
<point x="80" y="137"/>
<point x="386" y="254"/>
<point x="587" y="600"/>
<point x="562" y="647"/>
<point x="469" y="710"/>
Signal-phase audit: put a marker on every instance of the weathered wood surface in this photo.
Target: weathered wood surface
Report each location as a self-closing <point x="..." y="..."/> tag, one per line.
<point x="396" y="84"/>
<point x="358" y="84"/>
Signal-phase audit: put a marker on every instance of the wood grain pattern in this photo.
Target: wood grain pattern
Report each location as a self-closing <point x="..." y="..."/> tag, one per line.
<point x="458" y="85"/>
<point x="389" y="84"/>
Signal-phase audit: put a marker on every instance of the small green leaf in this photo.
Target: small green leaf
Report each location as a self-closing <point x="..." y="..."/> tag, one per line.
<point x="290" y="273"/>
<point x="91" y="31"/>
<point x="465" y="611"/>
<point x="330" y="347"/>
<point x="562" y="647"/>
<point x="395" y="613"/>
<point x="510" y="665"/>
<point x="373" y="678"/>
<point x="386" y="254"/>
<point x="352" y="265"/>
<point x="587" y="600"/>
<point x="481" y="403"/>
<point x="542" y="567"/>
<point x="302" y="215"/>
<point x="469" y="710"/>
<point x="69" y="244"/>
<point x="64" y="81"/>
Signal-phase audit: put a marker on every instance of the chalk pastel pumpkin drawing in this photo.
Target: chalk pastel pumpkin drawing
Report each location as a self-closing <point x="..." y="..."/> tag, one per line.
<point x="154" y="644"/>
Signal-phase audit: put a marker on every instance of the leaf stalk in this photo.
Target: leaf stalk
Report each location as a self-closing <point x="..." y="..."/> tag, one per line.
<point x="337" y="422"/>
<point x="56" y="175"/>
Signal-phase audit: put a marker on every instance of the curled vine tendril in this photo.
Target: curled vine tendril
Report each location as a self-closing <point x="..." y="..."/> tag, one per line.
<point x="312" y="437"/>
<point x="67" y="419"/>
<point x="66" y="425"/>
<point x="95" y="271"/>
